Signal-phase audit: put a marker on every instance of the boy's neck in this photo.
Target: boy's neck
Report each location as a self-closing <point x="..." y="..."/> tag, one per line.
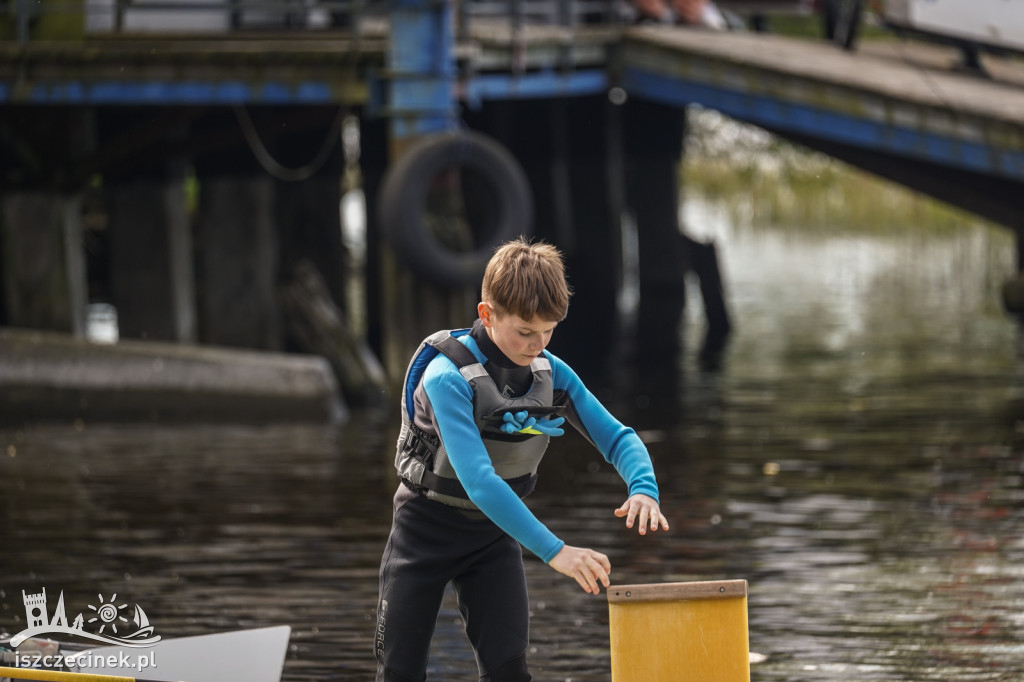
<point x="489" y="348"/>
<point x="512" y="380"/>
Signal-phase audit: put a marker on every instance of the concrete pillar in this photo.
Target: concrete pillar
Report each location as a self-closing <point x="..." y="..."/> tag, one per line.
<point x="151" y="270"/>
<point x="41" y="261"/>
<point x="237" y="263"/>
<point x="309" y="219"/>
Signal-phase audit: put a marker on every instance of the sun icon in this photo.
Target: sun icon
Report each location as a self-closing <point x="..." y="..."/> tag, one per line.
<point x="108" y="613"/>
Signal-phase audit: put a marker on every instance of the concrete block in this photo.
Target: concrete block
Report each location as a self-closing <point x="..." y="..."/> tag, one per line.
<point x="50" y="377"/>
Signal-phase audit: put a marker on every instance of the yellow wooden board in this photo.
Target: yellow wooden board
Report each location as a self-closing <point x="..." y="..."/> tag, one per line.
<point x="679" y="632"/>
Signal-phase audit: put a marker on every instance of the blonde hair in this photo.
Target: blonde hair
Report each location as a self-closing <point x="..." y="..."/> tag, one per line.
<point x="528" y="280"/>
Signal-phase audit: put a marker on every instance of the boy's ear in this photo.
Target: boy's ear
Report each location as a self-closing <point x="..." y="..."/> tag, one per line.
<point x="485" y="312"/>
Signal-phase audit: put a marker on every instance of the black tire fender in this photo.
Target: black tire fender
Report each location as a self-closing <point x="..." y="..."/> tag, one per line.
<point x="401" y="205"/>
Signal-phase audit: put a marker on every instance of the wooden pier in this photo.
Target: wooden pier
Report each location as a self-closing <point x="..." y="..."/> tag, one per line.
<point x="961" y="134"/>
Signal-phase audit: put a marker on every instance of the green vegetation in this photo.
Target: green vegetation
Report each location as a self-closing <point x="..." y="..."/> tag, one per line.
<point x="50" y="20"/>
<point x="810" y="26"/>
<point x="762" y="179"/>
<point x="835" y="196"/>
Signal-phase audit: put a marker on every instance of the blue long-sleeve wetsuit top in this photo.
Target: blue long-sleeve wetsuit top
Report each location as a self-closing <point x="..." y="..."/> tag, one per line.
<point x="451" y="399"/>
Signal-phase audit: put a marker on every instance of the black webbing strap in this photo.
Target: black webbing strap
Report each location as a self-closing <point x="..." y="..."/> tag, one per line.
<point x="420" y="445"/>
<point x="455" y="351"/>
<point x="521" y="485"/>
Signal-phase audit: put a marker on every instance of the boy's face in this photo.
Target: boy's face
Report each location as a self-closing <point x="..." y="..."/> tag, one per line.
<point x="520" y="340"/>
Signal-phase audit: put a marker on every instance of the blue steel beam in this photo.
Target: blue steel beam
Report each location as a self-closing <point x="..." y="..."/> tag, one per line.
<point x="542" y="84"/>
<point x="151" y="92"/>
<point x="421" y="63"/>
<point x="169" y="92"/>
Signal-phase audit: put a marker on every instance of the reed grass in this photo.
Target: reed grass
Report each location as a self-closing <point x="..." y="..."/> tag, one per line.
<point x="762" y="179"/>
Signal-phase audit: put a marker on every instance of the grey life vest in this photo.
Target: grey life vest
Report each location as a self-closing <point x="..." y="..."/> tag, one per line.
<point x="422" y="459"/>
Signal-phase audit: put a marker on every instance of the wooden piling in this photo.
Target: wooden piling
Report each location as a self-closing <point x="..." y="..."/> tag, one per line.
<point x="42" y="268"/>
<point x="679" y="632"/>
<point x="653" y="140"/>
<point x="151" y="269"/>
<point x="237" y="262"/>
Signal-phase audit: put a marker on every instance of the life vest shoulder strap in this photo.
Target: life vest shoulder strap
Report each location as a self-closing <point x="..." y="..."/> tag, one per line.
<point x="455" y="351"/>
<point x="428" y="350"/>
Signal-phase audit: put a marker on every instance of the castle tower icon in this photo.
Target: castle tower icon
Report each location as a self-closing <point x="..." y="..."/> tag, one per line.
<point x="35" y="608"/>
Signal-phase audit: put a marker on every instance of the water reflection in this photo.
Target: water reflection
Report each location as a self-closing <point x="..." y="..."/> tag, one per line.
<point x="858" y="460"/>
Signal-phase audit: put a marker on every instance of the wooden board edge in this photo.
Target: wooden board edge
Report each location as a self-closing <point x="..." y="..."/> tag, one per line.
<point x="708" y="589"/>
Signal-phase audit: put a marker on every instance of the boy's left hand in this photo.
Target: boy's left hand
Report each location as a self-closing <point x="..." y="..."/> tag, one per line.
<point x="647" y="509"/>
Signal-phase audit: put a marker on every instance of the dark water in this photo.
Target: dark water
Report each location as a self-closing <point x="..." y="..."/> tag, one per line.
<point x="859" y="460"/>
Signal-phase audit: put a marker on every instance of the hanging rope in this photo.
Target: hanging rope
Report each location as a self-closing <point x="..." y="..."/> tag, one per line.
<point x="271" y="165"/>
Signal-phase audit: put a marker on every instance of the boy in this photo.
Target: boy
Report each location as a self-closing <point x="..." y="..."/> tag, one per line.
<point x="478" y="408"/>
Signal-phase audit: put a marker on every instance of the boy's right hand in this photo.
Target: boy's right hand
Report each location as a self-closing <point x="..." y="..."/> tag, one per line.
<point x="587" y="567"/>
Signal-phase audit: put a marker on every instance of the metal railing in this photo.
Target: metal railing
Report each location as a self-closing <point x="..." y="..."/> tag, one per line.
<point x="564" y="13"/>
<point x="200" y="18"/>
<point x="190" y="17"/>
